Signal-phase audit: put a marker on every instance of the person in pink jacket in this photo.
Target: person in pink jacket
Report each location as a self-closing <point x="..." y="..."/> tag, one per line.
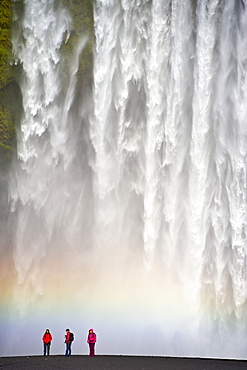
<point x="91" y="340"/>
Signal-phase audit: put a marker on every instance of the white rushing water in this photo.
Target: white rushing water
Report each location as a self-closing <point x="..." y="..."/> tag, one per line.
<point x="131" y="203"/>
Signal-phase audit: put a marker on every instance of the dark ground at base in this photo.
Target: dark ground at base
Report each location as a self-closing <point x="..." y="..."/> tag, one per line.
<point x="118" y="363"/>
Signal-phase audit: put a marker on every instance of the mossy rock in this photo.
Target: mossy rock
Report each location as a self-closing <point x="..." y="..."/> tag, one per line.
<point x="81" y="13"/>
<point x="6" y="127"/>
<point x="6" y="74"/>
<point x="5" y="14"/>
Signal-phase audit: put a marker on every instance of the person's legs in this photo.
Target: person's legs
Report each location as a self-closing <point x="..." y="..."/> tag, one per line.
<point x="68" y="349"/>
<point x="45" y="348"/>
<point x="48" y="348"/>
<point x="91" y="347"/>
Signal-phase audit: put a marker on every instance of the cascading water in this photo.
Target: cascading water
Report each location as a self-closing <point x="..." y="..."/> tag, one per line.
<point x="128" y="209"/>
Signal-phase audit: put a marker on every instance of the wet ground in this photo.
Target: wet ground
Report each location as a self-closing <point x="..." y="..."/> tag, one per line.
<point x="118" y="363"/>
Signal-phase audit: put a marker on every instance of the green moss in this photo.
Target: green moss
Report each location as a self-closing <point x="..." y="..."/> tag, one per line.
<point x="6" y="75"/>
<point x="5" y="14"/>
<point x="5" y="44"/>
<point x="7" y="130"/>
<point x="4" y="126"/>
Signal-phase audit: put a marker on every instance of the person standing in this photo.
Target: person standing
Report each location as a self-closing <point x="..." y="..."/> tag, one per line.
<point x="69" y="337"/>
<point x="47" y="338"/>
<point x="91" y="340"/>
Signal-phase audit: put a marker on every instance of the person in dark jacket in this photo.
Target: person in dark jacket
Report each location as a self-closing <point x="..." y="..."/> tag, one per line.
<point x="91" y="340"/>
<point x="68" y="343"/>
<point x="47" y="338"/>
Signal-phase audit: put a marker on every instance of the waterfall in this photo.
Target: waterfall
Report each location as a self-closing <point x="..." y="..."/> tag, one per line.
<point x="128" y="201"/>
<point x="47" y="141"/>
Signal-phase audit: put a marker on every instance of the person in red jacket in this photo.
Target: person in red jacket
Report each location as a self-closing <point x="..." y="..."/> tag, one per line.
<point x="68" y="343"/>
<point x="91" y="340"/>
<point x="47" y="338"/>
